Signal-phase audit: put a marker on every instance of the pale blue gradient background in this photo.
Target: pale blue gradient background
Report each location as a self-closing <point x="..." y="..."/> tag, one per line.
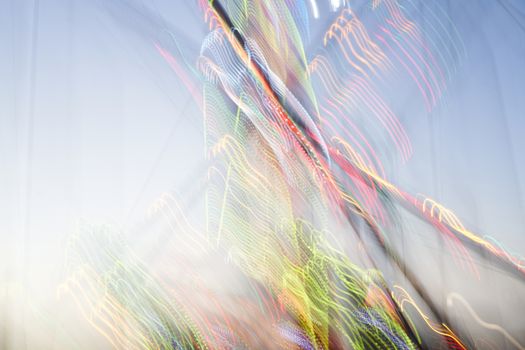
<point x="95" y="126"/>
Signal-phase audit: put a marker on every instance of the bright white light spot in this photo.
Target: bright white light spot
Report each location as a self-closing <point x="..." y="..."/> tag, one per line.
<point x="315" y="9"/>
<point x="335" y="4"/>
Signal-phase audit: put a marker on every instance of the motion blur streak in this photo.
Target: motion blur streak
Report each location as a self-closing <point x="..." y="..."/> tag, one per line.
<point x="306" y="238"/>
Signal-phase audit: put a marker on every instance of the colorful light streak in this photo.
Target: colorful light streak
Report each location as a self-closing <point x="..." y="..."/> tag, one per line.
<point x="297" y="169"/>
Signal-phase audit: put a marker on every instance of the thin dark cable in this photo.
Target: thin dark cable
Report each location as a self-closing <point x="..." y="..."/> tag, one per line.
<point x="511" y="14"/>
